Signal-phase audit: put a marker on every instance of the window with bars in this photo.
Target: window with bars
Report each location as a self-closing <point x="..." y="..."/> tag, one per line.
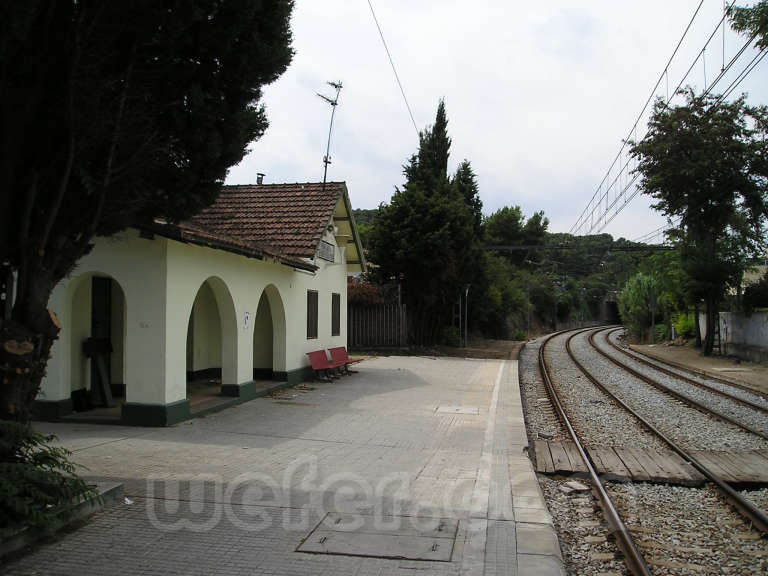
<point x="335" y="314"/>
<point x="312" y="306"/>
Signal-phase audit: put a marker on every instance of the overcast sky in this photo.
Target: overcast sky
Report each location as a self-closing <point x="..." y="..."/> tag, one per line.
<point x="539" y="95"/>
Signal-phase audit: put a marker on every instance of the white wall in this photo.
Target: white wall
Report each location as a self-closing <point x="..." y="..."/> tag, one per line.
<point x="138" y="265"/>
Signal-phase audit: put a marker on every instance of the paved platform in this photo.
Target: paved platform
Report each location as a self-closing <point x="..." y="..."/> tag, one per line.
<point x="413" y="464"/>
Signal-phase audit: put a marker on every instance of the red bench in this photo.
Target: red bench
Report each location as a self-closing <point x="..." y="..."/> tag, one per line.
<point x="320" y="363"/>
<point x="339" y="355"/>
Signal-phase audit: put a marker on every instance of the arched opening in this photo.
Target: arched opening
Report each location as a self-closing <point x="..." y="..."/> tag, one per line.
<point x="211" y="347"/>
<point x="97" y="336"/>
<point x="263" y="341"/>
<point x="269" y="337"/>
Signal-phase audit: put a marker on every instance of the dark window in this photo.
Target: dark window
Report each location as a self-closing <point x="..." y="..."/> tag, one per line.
<point x="335" y="314"/>
<point x="311" y="314"/>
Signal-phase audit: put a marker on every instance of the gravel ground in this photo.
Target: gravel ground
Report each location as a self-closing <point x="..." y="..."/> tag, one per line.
<point x="585" y="539"/>
<point x="689" y="531"/>
<point x="739" y="412"/>
<point x="540" y="418"/>
<point x="723" y="387"/>
<point x="688" y="427"/>
<point x="758" y="497"/>
<point x="597" y="419"/>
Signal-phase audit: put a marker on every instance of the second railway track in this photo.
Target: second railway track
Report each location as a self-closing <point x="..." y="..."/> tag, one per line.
<point x="661" y="529"/>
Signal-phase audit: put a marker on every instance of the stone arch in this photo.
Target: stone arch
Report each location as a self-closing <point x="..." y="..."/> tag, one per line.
<point x="269" y="336"/>
<point x="97" y="307"/>
<point x="212" y="333"/>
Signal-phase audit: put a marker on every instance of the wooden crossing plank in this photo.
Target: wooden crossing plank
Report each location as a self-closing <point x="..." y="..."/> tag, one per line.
<point x="761" y="453"/>
<point x="678" y="470"/>
<point x="748" y="470"/>
<point x="608" y="463"/>
<point x="577" y="464"/>
<point x="709" y="461"/>
<point x="543" y="457"/>
<point x="559" y="457"/>
<point x="633" y="465"/>
<point x="647" y="461"/>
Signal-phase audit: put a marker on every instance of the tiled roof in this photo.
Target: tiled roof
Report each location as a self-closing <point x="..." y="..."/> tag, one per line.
<point x="290" y="218"/>
<point x="189" y="233"/>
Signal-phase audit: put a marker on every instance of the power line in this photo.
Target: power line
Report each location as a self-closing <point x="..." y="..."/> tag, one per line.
<point x="594" y="206"/>
<point x="645" y="107"/>
<point x="391" y="62"/>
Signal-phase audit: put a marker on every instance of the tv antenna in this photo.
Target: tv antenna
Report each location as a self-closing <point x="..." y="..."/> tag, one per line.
<point x="333" y="102"/>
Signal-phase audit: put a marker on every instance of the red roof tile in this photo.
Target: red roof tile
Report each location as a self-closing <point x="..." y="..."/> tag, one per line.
<point x="288" y="217"/>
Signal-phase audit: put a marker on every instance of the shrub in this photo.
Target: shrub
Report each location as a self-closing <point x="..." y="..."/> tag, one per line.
<point x="519" y="335"/>
<point x="684" y="325"/>
<point x="36" y="478"/>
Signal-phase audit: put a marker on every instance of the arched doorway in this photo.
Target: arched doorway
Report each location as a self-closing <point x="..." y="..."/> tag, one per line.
<point x="269" y="337"/>
<point x="211" y="343"/>
<point x="97" y="336"/>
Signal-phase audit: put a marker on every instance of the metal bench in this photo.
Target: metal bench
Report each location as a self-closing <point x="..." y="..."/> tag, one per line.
<point x="339" y="355"/>
<point x="320" y="364"/>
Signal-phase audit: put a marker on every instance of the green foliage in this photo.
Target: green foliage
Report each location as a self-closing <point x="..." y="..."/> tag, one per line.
<point x="753" y="20"/>
<point x="635" y="304"/>
<point x="364" y="221"/>
<point x="684" y="324"/>
<point x="662" y="333"/>
<point x="36" y="478"/>
<point x="705" y="164"/>
<point x="425" y="235"/>
<point x="756" y="296"/>
<point x="519" y="335"/>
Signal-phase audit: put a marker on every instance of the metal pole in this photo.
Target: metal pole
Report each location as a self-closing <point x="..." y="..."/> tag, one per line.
<point x="333" y="102"/>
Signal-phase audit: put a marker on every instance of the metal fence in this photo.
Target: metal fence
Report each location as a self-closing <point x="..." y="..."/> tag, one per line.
<point x="378" y="326"/>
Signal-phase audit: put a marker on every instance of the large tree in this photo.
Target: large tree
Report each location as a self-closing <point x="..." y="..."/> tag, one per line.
<point x="706" y="165"/>
<point x="114" y="113"/>
<point x="424" y="236"/>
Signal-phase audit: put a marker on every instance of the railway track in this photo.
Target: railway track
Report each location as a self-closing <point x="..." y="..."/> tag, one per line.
<point x="712" y="401"/>
<point x="626" y="510"/>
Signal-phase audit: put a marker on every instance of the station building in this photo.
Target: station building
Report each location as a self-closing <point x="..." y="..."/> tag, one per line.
<point x="182" y="318"/>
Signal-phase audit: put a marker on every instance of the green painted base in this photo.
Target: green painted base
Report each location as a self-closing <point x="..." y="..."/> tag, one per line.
<point x="246" y="390"/>
<point x="294" y="377"/>
<point x="134" y="414"/>
<point x="52" y="410"/>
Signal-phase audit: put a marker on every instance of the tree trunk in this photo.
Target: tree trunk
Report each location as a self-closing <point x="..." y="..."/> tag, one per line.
<point x="25" y="346"/>
<point x="696" y="325"/>
<point x="709" y="339"/>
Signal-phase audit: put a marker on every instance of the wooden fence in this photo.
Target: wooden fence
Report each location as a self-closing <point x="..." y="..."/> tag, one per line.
<point x="379" y="326"/>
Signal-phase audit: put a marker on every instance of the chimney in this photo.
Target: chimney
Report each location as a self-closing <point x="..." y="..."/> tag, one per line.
<point x="259" y="178"/>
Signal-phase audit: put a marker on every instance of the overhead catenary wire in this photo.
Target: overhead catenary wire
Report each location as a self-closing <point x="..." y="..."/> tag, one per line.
<point x="594" y="216"/>
<point x="392" y="63"/>
<point x="645" y="107"/>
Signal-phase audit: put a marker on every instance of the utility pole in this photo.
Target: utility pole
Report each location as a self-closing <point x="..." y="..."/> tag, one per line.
<point x="333" y="102"/>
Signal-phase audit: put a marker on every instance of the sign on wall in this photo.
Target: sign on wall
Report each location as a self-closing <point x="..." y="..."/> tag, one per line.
<point x="326" y="251"/>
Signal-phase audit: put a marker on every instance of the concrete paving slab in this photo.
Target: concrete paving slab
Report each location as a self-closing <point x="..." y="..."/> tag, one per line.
<point x="239" y="490"/>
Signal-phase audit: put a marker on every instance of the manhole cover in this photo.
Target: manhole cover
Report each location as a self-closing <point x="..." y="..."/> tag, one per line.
<point x="397" y="537"/>
<point x="458" y="410"/>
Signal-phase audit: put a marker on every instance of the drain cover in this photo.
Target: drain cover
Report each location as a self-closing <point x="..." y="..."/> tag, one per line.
<point x="458" y="410"/>
<point x="406" y="538"/>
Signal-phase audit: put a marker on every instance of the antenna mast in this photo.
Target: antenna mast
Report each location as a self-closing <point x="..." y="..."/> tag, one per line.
<point x="333" y="102"/>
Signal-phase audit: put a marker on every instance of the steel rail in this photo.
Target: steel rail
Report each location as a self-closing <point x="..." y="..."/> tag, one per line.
<point x="674" y="393"/>
<point x="632" y="555"/>
<point x="653" y="364"/>
<point x="705" y="374"/>
<point x="747" y="509"/>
